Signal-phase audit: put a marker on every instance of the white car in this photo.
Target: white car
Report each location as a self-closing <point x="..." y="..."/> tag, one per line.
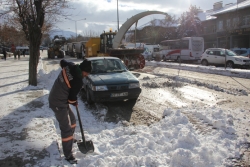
<point x="221" y="56"/>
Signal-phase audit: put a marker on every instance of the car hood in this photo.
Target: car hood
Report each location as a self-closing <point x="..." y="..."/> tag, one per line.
<point x="113" y="78"/>
<point x="241" y="57"/>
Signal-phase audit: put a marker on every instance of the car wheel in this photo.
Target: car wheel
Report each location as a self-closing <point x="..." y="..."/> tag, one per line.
<point x="204" y="62"/>
<point x="89" y="100"/>
<point x="230" y="64"/>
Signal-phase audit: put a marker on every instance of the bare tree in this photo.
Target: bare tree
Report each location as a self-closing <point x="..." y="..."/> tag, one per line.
<point x="158" y="30"/>
<point x="33" y="17"/>
<point x="9" y="34"/>
<point x="190" y="24"/>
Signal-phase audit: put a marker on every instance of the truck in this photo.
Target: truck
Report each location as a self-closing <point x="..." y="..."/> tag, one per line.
<point x="65" y="48"/>
<point x="79" y="49"/>
<point x="55" y="48"/>
<point x="70" y="51"/>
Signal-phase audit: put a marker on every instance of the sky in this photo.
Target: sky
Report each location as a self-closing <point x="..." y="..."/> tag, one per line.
<point x="101" y="15"/>
<point x="29" y="131"/>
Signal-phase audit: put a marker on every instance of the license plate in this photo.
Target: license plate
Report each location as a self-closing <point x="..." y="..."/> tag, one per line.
<point x="119" y="94"/>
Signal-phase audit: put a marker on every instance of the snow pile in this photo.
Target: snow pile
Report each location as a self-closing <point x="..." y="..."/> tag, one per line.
<point x="183" y="137"/>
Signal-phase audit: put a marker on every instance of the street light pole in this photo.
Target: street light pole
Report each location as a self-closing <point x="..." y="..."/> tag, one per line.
<point x="75" y="24"/>
<point x="117" y="17"/>
<point x="76" y="29"/>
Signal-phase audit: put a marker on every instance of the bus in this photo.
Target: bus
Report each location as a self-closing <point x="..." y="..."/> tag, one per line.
<point x="184" y="49"/>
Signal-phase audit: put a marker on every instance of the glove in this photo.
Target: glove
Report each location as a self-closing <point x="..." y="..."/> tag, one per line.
<point x="74" y="104"/>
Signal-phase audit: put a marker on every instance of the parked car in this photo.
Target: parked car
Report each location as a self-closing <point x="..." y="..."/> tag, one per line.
<point x="220" y="56"/>
<point x="110" y="80"/>
<point x="242" y="51"/>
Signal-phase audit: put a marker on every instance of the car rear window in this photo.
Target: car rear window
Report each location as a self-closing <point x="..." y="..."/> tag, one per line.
<point x="107" y="65"/>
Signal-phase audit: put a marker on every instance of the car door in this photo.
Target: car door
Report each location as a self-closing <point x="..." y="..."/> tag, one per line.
<point x="220" y="55"/>
<point x="215" y="57"/>
<point x="211" y="57"/>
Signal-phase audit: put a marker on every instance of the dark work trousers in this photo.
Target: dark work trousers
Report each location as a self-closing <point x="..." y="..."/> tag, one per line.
<point x="67" y="123"/>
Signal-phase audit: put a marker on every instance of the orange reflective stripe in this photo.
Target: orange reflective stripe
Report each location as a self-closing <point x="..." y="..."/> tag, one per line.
<point x="73" y="126"/>
<point x="71" y="101"/>
<point x="65" y="77"/>
<point x="67" y="139"/>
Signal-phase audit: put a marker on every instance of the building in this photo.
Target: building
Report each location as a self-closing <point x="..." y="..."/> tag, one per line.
<point x="227" y="26"/>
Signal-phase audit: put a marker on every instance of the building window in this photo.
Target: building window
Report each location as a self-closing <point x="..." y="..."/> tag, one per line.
<point x="213" y="28"/>
<point x="228" y="23"/>
<point x="220" y="25"/>
<point x="206" y="30"/>
<point x="246" y="20"/>
<point x="235" y="22"/>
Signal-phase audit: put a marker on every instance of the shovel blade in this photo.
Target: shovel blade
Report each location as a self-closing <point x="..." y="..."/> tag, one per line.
<point x="87" y="147"/>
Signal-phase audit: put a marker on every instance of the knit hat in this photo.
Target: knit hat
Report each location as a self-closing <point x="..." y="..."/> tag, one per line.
<point x="86" y="66"/>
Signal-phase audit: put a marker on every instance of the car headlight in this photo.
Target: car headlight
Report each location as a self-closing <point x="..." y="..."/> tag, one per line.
<point x="100" y="88"/>
<point x="238" y="60"/>
<point x="134" y="85"/>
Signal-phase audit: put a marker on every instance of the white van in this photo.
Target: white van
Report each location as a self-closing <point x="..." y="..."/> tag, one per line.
<point x="149" y="51"/>
<point x="26" y="49"/>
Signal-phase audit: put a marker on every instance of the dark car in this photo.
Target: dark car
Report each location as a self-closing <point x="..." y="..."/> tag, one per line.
<point x="242" y="51"/>
<point x="110" y="80"/>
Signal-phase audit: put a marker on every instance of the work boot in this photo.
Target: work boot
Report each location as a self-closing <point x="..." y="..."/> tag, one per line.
<point x="71" y="159"/>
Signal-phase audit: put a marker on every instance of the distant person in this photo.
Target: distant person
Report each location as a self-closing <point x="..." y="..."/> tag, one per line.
<point x="18" y="53"/>
<point x="13" y="50"/>
<point x="64" y="92"/>
<point x="83" y="54"/>
<point x="4" y="53"/>
<point x="15" y="53"/>
<point x="23" y="52"/>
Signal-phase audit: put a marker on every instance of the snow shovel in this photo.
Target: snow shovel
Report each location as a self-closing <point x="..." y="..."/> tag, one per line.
<point x="84" y="146"/>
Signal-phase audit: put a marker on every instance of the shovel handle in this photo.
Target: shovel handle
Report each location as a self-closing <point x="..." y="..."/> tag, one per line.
<point x="80" y="123"/>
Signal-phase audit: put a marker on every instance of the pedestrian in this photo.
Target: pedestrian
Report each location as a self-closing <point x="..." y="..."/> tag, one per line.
<point x="18" y="53"/>
<point x="4" y="53"/>
<point x="83" y="52"/>
<point x="13" y="50"/>
<point x="15" y="53"/>
<point x="64" y="92"/>
<point x="23" y="52"/>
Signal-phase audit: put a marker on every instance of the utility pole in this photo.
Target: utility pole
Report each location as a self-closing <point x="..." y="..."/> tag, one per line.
<point x="117" y="17"/>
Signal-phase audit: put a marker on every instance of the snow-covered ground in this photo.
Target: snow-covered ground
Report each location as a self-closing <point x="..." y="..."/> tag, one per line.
<point x="29" y="133"/>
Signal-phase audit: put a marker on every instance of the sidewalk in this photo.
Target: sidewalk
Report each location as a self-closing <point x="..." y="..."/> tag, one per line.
<point x="23" y="113"/>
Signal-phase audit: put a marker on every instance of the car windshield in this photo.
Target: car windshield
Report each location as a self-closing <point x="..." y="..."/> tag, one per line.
<point x="107" y="66"/>
<point x="230" y="53"/>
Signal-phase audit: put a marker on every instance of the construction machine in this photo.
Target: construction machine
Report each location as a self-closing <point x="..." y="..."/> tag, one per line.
<point x="55" y="48"/>
<point x="103" y="46"/>
<point x="109" y="44"/>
